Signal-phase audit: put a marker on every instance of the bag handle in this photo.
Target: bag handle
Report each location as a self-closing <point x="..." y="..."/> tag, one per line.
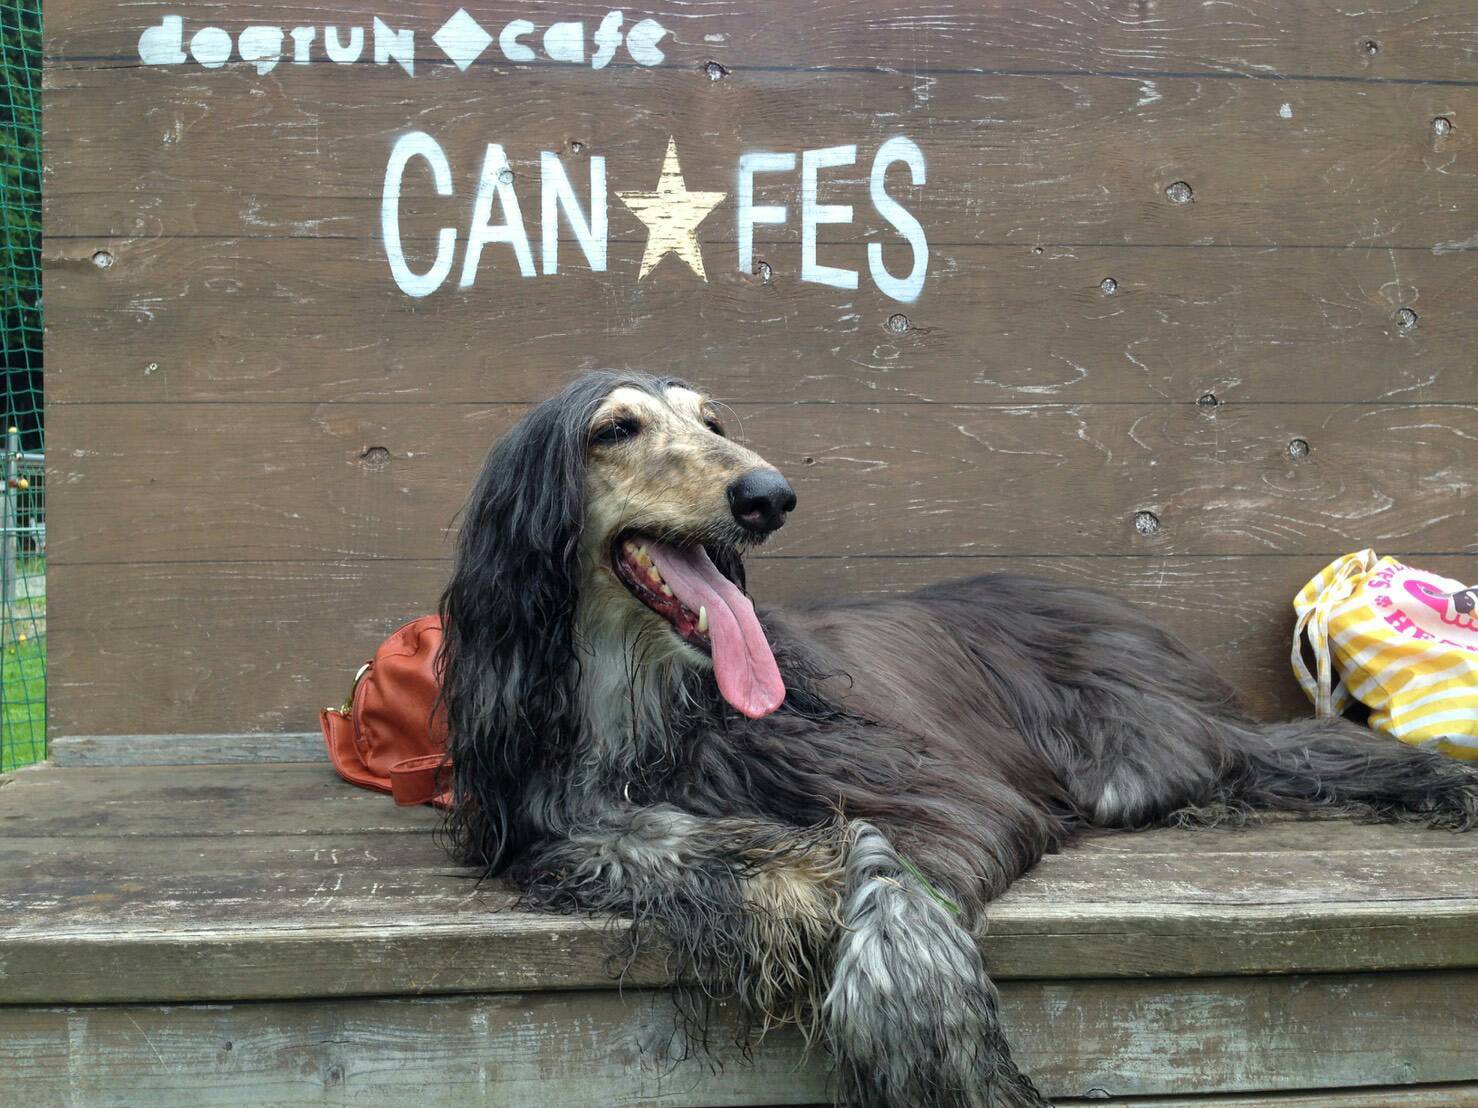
<point x="1315" y="605"/>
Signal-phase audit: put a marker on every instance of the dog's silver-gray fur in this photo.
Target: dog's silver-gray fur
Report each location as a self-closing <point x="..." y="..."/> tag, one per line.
<point x="828" y="863"/>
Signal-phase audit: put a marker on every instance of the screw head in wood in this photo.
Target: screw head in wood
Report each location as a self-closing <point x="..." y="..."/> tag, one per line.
<point x="1178" y="192"/>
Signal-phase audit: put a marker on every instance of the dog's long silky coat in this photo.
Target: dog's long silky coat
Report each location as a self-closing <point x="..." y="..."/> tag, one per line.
<point x="827" y="861"/>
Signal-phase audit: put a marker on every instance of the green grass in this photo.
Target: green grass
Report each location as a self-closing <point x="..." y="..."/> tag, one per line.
<point x="22" y="703"/>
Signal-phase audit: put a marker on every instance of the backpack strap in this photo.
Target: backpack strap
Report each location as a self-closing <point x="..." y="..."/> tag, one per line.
<point x="421" y="780"/>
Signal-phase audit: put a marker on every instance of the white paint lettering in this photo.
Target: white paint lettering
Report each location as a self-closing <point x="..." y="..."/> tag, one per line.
<point x="340" y="52"/>
<point x="813" y="213"/>
<point x="556" y="192"/>
<point x="565" y="42"/>
<point x="749" y="215"/>
<point x="408" y="146"/>
<point x="508" y="37"/>
<point x="906" y="289"/>
<point x="496" y="181"/>
<point x="261" y="46"/>
<point x="302" y="44"/>
<point x="397" y="45"/>
<point x="607" y="39"/>
<point x="642" y="40"/>
<point x="164" y="44"/>
<point x="211" y="47"/>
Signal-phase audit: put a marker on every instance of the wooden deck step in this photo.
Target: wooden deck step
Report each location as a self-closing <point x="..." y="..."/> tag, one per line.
<point x="267" y="934"/>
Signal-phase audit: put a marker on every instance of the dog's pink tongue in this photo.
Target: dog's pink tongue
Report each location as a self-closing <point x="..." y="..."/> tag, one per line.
<point x="742" y="660"/>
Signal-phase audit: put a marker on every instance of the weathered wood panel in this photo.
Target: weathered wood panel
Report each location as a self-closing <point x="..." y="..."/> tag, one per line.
<point x="1267" y="40"/>
<point x="263" y="645"/>
<point x="1069" y="158"/>
<point x="177" y="319"/>
<point x="184" y="883"/>
<point x="212" y="749"/>
<point x="324" y="481"/>
<point x="1078" y="1038"/>
<point x="214" y="237"/>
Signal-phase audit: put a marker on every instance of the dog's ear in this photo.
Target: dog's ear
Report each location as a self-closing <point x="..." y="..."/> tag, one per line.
<point x="509" y="610"/>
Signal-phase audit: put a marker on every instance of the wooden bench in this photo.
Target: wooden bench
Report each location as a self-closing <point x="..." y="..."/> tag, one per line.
<point x="203" y="935"/>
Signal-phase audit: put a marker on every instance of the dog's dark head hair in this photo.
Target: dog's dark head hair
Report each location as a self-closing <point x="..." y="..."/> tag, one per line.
<point x="547" y="560"/>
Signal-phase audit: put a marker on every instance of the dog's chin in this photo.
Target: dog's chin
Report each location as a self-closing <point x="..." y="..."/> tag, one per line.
<point x="634" y="568"/>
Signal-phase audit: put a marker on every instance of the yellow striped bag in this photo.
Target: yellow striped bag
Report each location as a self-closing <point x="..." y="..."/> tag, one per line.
<point x="1404" y="643"/>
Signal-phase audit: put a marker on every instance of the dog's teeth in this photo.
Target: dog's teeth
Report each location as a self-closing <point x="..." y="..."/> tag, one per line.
<point x="666" y="589"/>
<point x="642" y="558"/>
<point x="702" y="620"/>
<point x="629" y="546"/>
<point x="653" y="576"/>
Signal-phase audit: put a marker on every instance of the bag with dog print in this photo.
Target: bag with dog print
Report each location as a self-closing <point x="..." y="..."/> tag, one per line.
<point x="1401" y="641"/>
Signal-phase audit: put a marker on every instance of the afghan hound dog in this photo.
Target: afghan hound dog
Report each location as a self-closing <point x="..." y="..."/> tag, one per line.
<point x="812" y="806"/>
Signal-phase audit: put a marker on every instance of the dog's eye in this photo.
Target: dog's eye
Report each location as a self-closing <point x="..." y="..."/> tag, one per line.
<point x="615" y="431"/>
<point x="714" y="425"/>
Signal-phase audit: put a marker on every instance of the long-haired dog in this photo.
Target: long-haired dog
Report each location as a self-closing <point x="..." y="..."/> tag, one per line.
<point x="813" y="806"/>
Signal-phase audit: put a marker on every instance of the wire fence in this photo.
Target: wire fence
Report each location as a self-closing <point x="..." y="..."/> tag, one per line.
<point x="22" y="432"/>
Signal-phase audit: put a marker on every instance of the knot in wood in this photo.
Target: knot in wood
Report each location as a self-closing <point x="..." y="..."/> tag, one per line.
<point x="898" y="323"/>
<point x="715" y="71"/>
<point x="1406" y="319"/>
<point x="1109" y="286"/>
<point x="1298" y="448"/>
<point x="1146" y="523"/>
<point x="1178" y="192"/>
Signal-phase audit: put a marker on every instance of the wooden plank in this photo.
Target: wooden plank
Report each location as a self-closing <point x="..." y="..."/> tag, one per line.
<point x="177" y="319"/>
<point x="253" y="747"/>
<point x="265" y="645"/>
<point x="1389" y="1096"/>
<point x="197" y="802"/>
<point x="215" y="883"/>
<point x="303" y="150"/>
<point x="1175" y="1037"/>
<point x="315" y="482"/>
<point x="1267" y="41"/>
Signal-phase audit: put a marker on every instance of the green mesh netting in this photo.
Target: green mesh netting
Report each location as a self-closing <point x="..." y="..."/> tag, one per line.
<point x="22" y="437"/>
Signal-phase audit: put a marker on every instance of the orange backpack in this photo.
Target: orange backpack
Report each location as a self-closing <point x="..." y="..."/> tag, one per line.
<point x="390" y="733"/>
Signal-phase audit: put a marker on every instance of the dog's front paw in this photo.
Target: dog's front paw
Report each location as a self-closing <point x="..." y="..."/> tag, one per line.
<point x="911" y="1015"/>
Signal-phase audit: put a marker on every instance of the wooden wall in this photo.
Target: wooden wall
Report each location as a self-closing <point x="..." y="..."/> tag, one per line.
<point x="259" y="441"/>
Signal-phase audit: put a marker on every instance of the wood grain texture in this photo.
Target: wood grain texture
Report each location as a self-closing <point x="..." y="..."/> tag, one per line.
<point x="328" y="481"/>
<point x="574" y="1049"/>
<point x="1069" y="158"/>
<point x="263" y="645"/>
<point x="178" y="319"/>
<point x="219" y="383"/>
<point x="1266" y="41"/>
<point x="216" y="748"/>
<point x="154" y="884"/>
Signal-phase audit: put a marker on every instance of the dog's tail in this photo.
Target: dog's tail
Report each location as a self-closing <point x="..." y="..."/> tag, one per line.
<point x="910" y="1013"/>
<point x="1334" y="765"/>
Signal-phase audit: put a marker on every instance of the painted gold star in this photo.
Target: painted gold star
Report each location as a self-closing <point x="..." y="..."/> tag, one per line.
<point x="672" y="214"/>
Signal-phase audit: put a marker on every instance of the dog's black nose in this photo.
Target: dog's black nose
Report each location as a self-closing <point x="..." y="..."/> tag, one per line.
<point x="760" y="498"/>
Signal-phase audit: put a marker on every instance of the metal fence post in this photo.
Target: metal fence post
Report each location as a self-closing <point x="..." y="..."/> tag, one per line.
<point x="9" y="525"/>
